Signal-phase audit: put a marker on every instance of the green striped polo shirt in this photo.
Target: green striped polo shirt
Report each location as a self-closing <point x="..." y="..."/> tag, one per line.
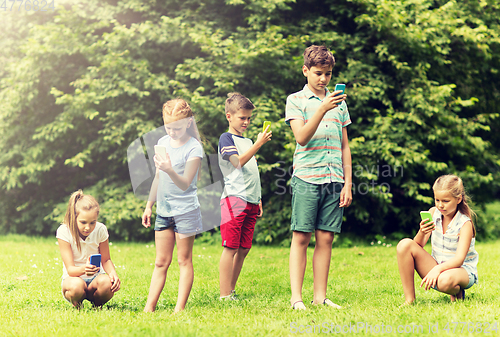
<point x="320" y="160"/>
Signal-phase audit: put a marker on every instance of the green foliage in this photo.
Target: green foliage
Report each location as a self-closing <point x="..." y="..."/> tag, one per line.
<point x="80" y="84"/>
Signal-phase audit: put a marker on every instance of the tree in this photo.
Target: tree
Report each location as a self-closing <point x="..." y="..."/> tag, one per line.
<point x="85" y="81"/>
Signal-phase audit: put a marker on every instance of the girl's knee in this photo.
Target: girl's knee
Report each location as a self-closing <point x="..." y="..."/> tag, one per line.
<point x="163" y="263"/>
<point x="185" y="261"/>
<point x="404" y="245"/>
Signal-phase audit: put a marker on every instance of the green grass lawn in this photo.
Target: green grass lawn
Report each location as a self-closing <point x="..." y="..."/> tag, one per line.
<point x="364" y="280"/>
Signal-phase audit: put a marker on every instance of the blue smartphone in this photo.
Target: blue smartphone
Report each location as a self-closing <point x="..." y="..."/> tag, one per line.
<point x="95" y="259"/>
<point x="340" y="86"/>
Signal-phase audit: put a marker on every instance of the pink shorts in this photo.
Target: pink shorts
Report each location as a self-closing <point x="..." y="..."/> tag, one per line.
<point x="238" y="219"/>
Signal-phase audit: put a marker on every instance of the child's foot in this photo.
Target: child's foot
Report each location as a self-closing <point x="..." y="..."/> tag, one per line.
<point x="233" y="294"/>
<point x="329" y="303"/>
<point x="459" y="296"/>
<point x="406" y="304"/>
<point x="230" y="297"/>
<point x="299" y="305"/>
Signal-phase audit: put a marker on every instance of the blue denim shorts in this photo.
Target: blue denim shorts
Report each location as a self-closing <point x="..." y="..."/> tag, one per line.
<point x="186" y="223"/>
<point x="88" y="280"/>
<point x="472" y="281"/>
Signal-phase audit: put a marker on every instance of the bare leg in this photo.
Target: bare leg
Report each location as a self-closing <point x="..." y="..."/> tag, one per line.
<point x="164" y="242"/>
<point x="238" y="260"/>
<point x="321" y="264"/>
<point x="411" y="257"/>
<point x="298" y="262"/>
<point x="186" y="272"/>
<point x="451" y="281"/>
<point x="99" y="291"/>
<point x="75" y="290"/>
<point x="226" y="270"/>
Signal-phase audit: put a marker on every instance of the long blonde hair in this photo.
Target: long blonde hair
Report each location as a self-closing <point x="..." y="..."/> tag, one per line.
<point x="455" y="186"/>
<point x="78" y="202"/>
<point x="177" y="109"/>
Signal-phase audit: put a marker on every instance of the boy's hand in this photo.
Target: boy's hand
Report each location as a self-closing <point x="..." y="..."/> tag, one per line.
<point x="331" y="101"/>
<point x="264" y="137"/>
<point x="90" y="269"/>
<point x="345" y="197"/>
<point x="261" y="210"/>
<point x="146" y="217"/>
<point x="163" y="164"/>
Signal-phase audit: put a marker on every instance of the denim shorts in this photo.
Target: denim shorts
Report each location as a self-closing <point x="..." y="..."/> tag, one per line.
<point x="186" y="223"/>
<point x="88" y="280"/>
<point x="472" y="280"/>
<point x="316" y="206"/>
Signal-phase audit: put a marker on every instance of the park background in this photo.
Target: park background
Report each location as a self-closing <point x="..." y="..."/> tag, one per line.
<point x="80" y="83"/>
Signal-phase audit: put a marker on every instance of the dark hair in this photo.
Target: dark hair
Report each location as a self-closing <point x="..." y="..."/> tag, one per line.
<point x="237" y="101"/>
<point x="318" y="56"/>
<point x="454" y="185"/>
<point x="78" y="202"/>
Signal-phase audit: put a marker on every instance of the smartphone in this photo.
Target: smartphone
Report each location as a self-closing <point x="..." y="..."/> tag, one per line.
<point x="95" y="259"/>
<point x="161" y="151"/>
<point x="340" y="86"/>
<point x="266" y="123"/>
<point x="426" y="215"/>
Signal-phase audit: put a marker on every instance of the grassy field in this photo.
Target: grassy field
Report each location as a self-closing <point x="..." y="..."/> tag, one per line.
<point x="364" y="280"/>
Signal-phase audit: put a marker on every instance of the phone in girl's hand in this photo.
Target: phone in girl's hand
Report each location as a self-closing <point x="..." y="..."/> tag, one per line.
<point x="426" y="215"/>
<point x="95" y="260"/>
<point x="161" y="151"/>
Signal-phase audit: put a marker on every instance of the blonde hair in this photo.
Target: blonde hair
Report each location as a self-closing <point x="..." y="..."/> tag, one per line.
<point x="177" y="109"/>
<point x="78" y="202"/>
<point x="237" y="101"/>
<point x="454" y="185"/>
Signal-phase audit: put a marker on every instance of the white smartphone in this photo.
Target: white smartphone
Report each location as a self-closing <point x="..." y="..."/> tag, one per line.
<point x="161" y="151"/>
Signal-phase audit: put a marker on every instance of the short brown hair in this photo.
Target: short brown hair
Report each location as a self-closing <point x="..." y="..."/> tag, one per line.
<point x="237" y="101"/>
<point x="318" y="55"/>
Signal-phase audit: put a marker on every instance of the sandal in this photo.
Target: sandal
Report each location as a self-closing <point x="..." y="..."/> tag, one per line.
<point x="299" y="305"/>
<point x="329" y="303"/>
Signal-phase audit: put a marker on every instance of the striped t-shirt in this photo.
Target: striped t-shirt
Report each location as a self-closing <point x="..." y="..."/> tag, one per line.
<point x="444" y="246"/>
<point x="320" y="160"/>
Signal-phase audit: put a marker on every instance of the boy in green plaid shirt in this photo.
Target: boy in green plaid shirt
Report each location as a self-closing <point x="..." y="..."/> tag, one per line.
<point x="322" y="175"/>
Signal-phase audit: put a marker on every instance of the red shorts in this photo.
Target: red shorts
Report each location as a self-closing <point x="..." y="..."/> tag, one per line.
<point x="238" y="219"/>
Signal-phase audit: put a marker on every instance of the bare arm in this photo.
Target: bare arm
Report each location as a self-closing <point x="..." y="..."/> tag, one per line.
<point x="346" y="193"/>
<point x="465" y="238"/>
<point x="148" y="211"/>
<point x="303" y="132"/>
<point x="108" y="266"/>
<point x="69" y="263"/>
<point x="240" y="160"/>
<point x="185" y="180"/>
<point x="67" y="257"/>
<point x="425" y="230"/>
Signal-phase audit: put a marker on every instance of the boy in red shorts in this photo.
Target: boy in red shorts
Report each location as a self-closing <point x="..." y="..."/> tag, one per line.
<point x="241" y="199"/>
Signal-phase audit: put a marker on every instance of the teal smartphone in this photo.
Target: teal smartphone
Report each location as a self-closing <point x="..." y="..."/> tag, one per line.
<point x="340" y="86"/>
<point x="426" y="215"/>
<point x="266" y="124"/>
